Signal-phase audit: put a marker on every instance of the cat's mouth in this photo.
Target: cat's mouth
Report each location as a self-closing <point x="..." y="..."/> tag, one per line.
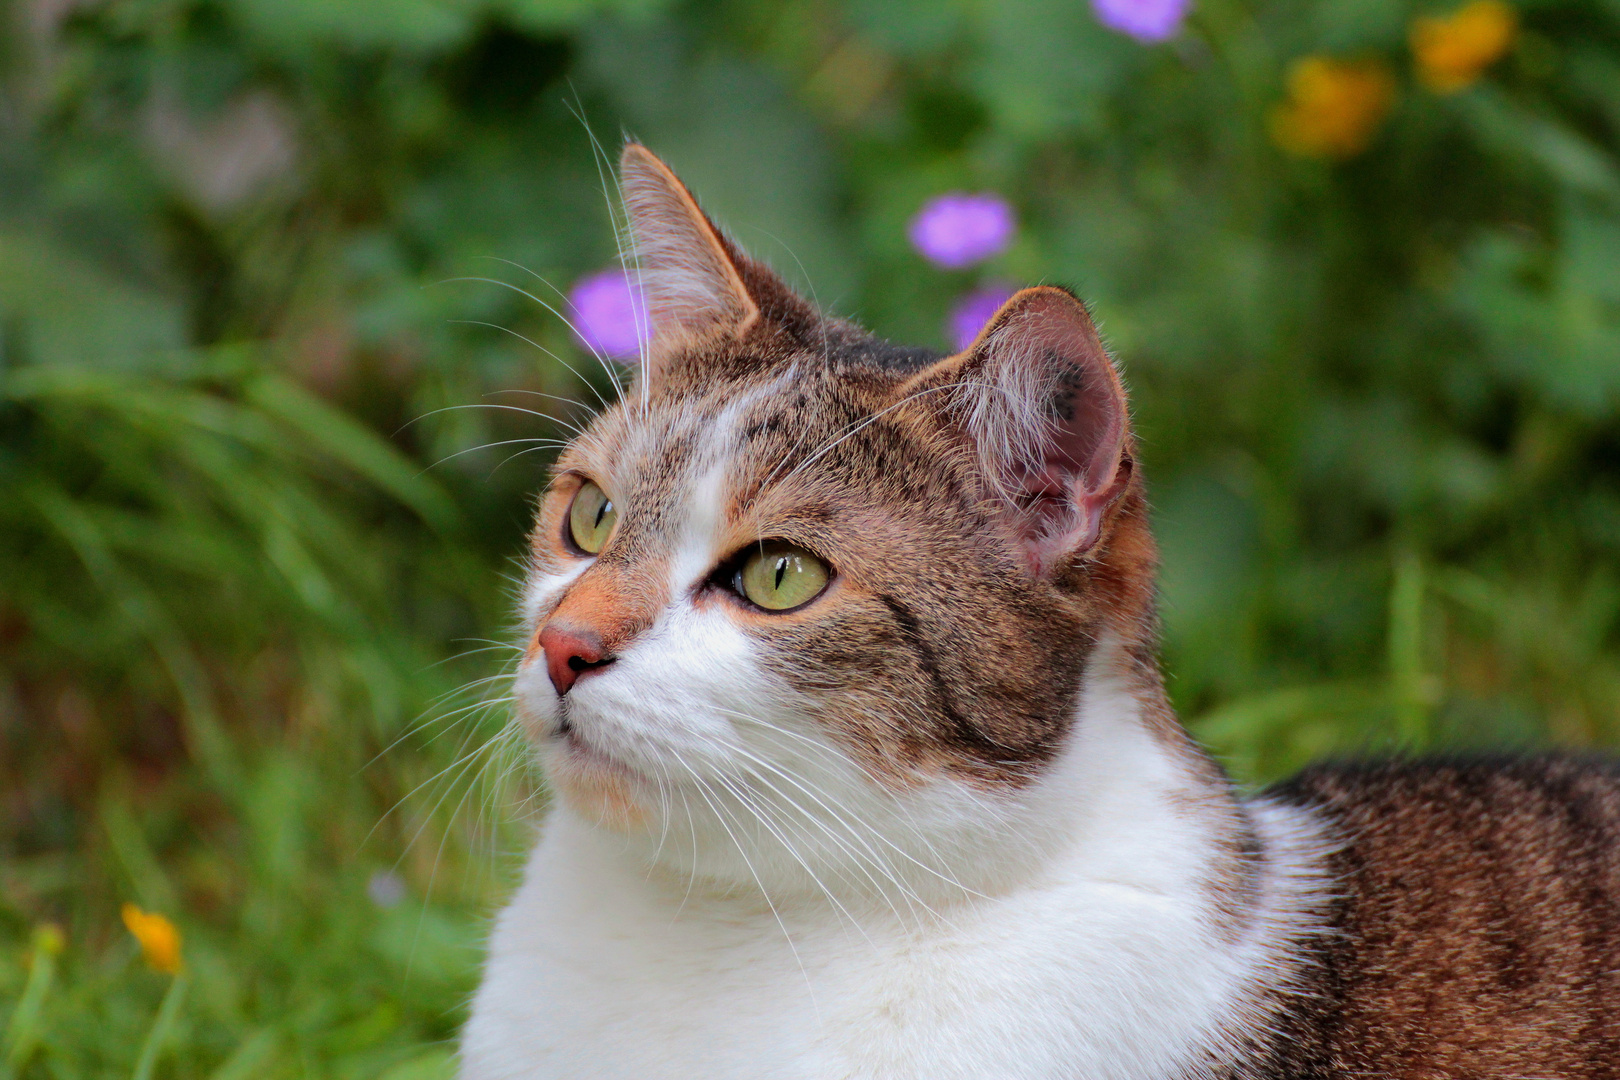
<point x="595" y="782"/>
<point x="565" y="746"/>
<point x="576" y="751"/>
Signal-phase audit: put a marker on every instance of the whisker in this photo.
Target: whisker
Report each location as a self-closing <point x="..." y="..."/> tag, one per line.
<point x="837" y="758"/>
<point x="619" y="221"/>
<point x="691" y="824"/>
<point x="703" y="791"/>
<point x="612" y="373"/>
<point x="876" y="860"/>
<point x="855" y="428"/>
<point x="759" y="812"/>
<point x="507" y="408"/>
<point x="542" y="444"/>
<point x="566" y="321"/>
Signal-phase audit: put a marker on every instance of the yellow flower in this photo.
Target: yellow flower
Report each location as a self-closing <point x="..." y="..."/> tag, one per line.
<point x="1453" y="51"/>
<point x="159" y="938"/>
<point x="48" y="939"/>
<point x="1334" y="107"/>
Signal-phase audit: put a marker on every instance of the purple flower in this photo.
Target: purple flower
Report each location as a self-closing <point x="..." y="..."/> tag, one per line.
<point x="957" y="229"/>
<point x="974" y="310"/>
<point x="1145" y="20"/>
<point x="608" y="314"/>
<point x="386" y="888"/>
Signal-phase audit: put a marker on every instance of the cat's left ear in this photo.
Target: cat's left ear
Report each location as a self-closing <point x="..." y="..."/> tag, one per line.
<point x="1040" y="400"/>
<point x="691" y="276"/>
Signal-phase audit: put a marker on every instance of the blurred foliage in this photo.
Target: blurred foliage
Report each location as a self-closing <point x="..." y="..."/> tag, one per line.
<point x="265" y="449"/>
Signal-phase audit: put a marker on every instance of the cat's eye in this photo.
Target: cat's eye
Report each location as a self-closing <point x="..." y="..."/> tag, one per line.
<point x="591" y="518"/>
<point x="778" y="576"/>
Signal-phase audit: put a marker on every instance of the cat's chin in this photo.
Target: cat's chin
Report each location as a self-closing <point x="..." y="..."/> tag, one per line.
<point x="601" y="789"/>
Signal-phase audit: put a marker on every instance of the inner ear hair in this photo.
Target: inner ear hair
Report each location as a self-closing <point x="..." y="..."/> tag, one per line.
<point x="1040" y="400"/>
<point x="688" y="271"/>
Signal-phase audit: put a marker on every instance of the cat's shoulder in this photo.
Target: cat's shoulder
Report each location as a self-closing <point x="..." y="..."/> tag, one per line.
<point x="1474" y="923"/>
<point x="1512" y="791"/>
<point x="1482" y="818"/>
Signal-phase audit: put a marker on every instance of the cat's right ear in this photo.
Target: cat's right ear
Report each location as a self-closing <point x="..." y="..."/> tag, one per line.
<point x="688" y="271"/>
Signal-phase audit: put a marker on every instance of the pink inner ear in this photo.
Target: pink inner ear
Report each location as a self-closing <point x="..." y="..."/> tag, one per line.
<point x="1066" y="489"/>
<point x="1070" y="469"/>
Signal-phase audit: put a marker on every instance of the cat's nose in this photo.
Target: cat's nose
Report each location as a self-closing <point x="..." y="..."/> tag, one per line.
<point x="571" y="652"/>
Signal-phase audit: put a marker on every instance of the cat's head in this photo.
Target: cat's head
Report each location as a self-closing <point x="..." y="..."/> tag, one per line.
<point x="797" y="576"/>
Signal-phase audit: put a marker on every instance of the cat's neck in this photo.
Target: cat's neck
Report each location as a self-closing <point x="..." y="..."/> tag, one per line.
<point x="1138" y="920"/>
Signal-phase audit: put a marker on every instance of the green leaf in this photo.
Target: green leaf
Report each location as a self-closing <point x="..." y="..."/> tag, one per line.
<point x="1049" y="68"/>
<point x="413" y="25"/>
<point x="59" y="308"/>
<point x="335" y="434"/>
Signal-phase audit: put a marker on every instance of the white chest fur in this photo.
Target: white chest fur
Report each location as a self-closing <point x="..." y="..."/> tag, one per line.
<point x="1110" y="960"/>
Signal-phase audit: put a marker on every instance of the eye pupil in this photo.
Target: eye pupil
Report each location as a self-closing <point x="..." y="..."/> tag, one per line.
<point x="781" y="571"/>
<point x="601" y="512"/>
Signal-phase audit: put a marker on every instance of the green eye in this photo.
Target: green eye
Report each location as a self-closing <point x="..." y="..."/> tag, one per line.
<point x="591" y="518"/>
<point x="779" y="576"/>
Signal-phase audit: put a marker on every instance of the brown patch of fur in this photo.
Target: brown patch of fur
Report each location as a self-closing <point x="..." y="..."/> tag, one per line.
<point x="613" y="601"/>
<point x="946" y="652"/>
<point x="1232" y="882"/>
<point x="1477" y="929"/>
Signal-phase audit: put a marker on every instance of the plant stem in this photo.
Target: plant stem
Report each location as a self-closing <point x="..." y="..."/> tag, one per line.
<point x="23" y="1032"/>
<point x="158" y="1038"/>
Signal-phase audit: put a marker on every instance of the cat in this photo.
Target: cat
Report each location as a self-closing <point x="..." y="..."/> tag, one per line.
<point x="841" y="668"/>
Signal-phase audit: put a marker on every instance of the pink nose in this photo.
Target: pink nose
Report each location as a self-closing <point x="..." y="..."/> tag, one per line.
<point x="572" y="652"/>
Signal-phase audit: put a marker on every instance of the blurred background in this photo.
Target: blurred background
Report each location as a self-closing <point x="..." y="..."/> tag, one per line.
<point x="273" y="351"/>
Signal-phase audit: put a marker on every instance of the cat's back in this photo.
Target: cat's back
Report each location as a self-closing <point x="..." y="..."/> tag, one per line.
<point x="1476" y="926"/>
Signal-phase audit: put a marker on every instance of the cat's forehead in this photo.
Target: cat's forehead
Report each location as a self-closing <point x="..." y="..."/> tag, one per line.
<point x="804" y="442"/>
<point x="773" y="418"/>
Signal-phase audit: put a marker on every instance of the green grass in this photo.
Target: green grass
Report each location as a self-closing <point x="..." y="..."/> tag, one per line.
<point x="207" y="612"/>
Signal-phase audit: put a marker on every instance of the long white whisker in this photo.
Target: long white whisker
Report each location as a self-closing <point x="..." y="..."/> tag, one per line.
<point x="691" y="824"/>
<point x="433" y="875"/>
<point x="544" y="444"/>
<point x="561" y="422"/>
<point x="460" y="766"/>
<point x="865" y="423"/>
<point x="834" y="756"/>
<point x="535" y="344"/>
<point x="663" y="809"/>
<point x="872" y="858"/>
<point x="619" y="221"/>
<point x="612" y="373"/>
<point x="704" y="791"/>
<point x="548" y="307"/>
<point x="566" y="321"/>
<point x="643" y="316"/>
<point x="507" y="408"/>
<point x="509" y="458"/>
<point x="837" y="814"/>
<point x="766" y="819"/>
